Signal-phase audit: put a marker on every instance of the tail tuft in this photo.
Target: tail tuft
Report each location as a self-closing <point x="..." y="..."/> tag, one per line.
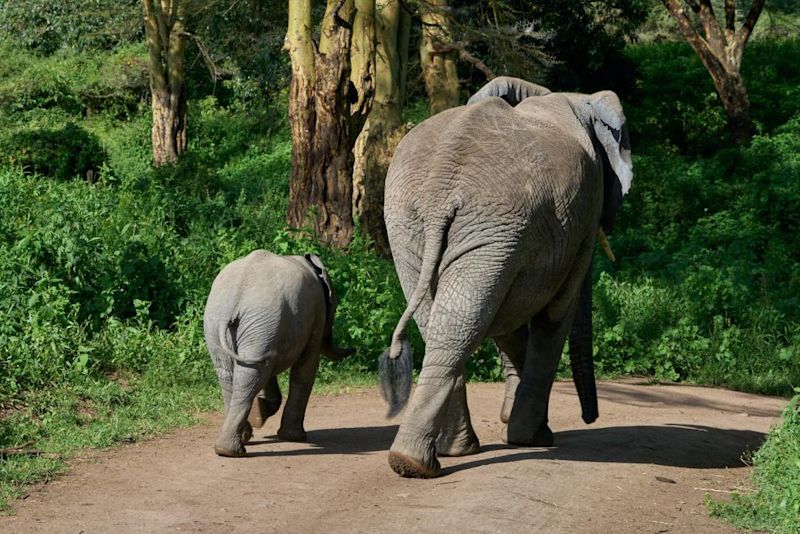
<point x="395" y="378"/>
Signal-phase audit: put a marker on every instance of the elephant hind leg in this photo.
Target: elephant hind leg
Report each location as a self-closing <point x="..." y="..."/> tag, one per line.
<point x="223" y="365"/>
<point x="247" y="380"/>
<point x="466" y="301"/>
<point x="301" y="382"/>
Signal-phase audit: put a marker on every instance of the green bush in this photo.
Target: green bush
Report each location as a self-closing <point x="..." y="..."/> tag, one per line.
<point x="78" y="85"/>
<point x="708" y="273"/>
<point x="62" y="153"/>
<point x="674" y="102"/>
<point x="774" y="504"/>
<point x="45" y="26"/>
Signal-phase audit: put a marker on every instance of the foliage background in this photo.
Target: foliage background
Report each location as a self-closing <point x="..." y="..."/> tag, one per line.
<point x="105" y="263"/>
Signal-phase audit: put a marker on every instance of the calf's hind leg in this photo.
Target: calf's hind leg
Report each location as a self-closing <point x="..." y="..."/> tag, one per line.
<point x="248" y="378"/>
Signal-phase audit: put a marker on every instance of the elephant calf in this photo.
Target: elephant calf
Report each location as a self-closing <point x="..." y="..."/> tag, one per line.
<point x="266" y="313"/>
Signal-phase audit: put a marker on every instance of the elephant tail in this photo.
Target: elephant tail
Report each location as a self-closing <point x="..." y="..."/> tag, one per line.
<point x="396" y="363"/>
<point x="431" y="256"/>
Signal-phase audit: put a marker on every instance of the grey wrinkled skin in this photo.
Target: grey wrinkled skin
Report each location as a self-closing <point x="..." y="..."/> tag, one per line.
<point x="492" y="210"/>
<point x="265" y="314"/>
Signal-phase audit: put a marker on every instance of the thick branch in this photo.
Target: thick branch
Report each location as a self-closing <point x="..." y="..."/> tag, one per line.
<point x="154" y="46"/>
<point x="730" y="20"/>
<point x="749" y="24"/>
<point x="685" y="26"/>
<point x="711" y="27"/>
<point x="463" y="55"/>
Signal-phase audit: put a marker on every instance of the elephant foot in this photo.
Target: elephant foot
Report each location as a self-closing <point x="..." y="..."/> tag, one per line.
<point x="228" y="453"/>
<point x="543" y="437"/>
<point x="232" y="446"/>
<point x="410" y="468"/>
<point x="261" y="409"/>
<point x="293" y="434"/>
<point x="462" y="444"/>
<point x="413" y="456"/>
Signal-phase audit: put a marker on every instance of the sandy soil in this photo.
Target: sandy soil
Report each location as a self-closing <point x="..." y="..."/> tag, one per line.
<point x="646" y="465"/>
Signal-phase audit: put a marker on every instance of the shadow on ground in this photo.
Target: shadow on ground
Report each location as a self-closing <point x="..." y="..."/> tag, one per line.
<point x="357" y="440"/>
<point x="689" y="446"/>
<point x="645" y="397"/>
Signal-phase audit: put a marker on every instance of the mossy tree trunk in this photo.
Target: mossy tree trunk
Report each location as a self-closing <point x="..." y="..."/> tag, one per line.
<point x="720" y="48"/>
<point x="327" y="111"/>
<point x="438" y="69"/>
<point x="384" y="127"/>
<point x="165" y="27"/>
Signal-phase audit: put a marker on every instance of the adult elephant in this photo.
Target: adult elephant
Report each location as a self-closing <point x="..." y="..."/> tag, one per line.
<point x="492" y="211"/>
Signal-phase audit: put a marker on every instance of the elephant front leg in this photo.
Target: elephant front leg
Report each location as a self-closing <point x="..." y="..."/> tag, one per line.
<point x="247" y="380"/>
<point x="301" y="381"/>
<point x="457" y="437"/>
<point x="527" y="424"/>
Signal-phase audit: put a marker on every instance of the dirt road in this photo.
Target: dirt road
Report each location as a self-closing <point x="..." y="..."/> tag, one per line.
<point x="645" y="466"/>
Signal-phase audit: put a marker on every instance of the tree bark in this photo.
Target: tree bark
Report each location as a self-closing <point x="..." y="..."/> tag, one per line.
<point x="721" y="49"/>
<point x="384" y="127"/>
<point x="327" y="110"/>
<point x="302" y="111"/>
<point x="165" y="26"/>
<point x="438" y="69"/>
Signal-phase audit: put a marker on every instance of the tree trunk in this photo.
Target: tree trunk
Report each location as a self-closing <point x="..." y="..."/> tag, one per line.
<point x="438" y="69"/>
<point x="302" y="112"/>
<point x="327" y="111"/>
<point x="168" y="134"/>
<point x="732" y="92"/>
<point x="164" y="28"/>
<point x="384" y="127"/>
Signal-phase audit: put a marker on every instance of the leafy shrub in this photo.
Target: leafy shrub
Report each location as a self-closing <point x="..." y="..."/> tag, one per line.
<point x="62" y="153"/>
<point x="709" y="268"/>
<point x="674" y="102"/>
<point x="775" y="503"/>
<point x="47" y="26"/>
<point x="83" y="84"/>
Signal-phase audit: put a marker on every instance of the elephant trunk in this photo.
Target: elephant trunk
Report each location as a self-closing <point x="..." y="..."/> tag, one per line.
<point x="580" y="352"/>
<point x="332" y="352"/>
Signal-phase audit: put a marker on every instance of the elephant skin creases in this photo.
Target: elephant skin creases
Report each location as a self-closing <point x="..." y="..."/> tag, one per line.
<point x="265" y="314"/>
<point x="492" y="211"/>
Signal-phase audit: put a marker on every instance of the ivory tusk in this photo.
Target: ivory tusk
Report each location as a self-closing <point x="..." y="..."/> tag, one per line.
<point x="603" y="240"/>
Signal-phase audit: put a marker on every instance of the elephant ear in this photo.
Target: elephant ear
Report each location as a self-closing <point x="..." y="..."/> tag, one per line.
<point x="329" y="349"/>
<point x="512" y="90"/>
<point x="611" y="131"/>
<point x="330" y="297"/>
